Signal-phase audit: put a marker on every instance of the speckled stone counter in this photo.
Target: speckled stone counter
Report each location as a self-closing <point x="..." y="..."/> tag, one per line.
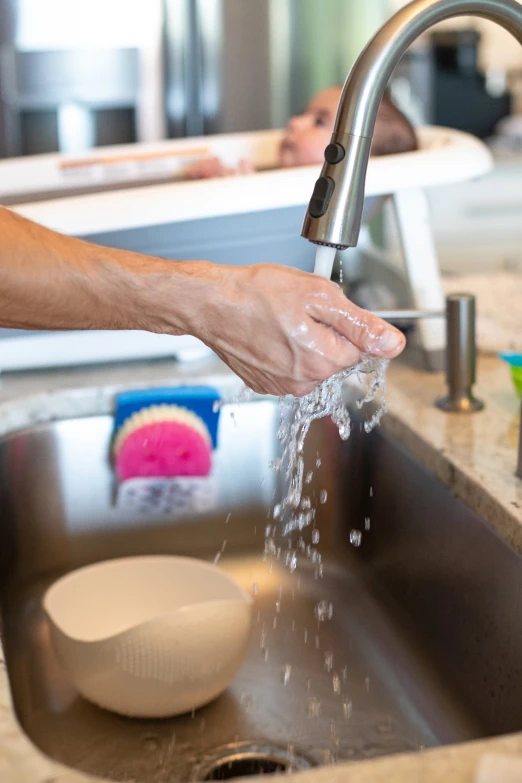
<point x="474" y="455"/>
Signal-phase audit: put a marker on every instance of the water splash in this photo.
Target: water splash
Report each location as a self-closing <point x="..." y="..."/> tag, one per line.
<point x="286" y="672"/>
<point x="297" y="414"/>
<point x="355" y="537"/>
<point x="324" y="611"/>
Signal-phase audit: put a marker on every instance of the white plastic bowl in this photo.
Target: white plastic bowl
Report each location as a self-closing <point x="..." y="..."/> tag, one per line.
<point x="150" y="637"/>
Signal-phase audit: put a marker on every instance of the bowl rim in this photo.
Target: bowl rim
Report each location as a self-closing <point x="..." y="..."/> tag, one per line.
<point x="244" y="598"/>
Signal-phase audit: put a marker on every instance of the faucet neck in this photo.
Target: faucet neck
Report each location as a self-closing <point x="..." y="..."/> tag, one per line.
<point x="335" y="212"/>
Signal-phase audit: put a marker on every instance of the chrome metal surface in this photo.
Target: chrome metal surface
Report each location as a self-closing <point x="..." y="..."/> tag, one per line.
<point x="408" y="315"/>
<point x="242" y="759"/>
<point x="363" y="91"/>
<point x="461" y="356"/>
<point x="461" y="349"/>
<point x="424" y="643"/>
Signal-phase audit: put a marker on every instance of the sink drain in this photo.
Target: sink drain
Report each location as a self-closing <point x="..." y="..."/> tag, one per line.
<point x="246" y="759"/>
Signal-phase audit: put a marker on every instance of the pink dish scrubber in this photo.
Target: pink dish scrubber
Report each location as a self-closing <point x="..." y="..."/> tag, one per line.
<point x="163" y="441"/>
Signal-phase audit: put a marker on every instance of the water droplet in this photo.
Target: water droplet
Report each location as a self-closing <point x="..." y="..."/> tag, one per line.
<point x="323" y="497"/>
<point x="367" y="684"/>
<point x="355" y="537"/>
<point x="247" y="701"/>
<point x="336" y="681"/>
<point x="324" y="611"/>
<point x="371" y="492"/>
<point x="286" y="671"/>
<point x="217" y="558"/>
<point x="216" y="406"/>
<point x="328" y="661"/>
<point x="313" y="707"/>
<point x="255" y="589"/>
<point x="315" y="536"/>
<point x="309" y="477"/>
<point x="367" y="523"/>
<point x="317" y="642"/>
<point x="227" y="520"/>
<point x="318" y="462"/>
<point x="305" y="636"/>
<point x="277" y="511"/>
<point x="347" y="709"/>
<point x="344" y="673"/>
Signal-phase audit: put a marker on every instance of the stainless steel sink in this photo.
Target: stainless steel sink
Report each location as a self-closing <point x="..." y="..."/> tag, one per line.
<point x="424" y="646"/>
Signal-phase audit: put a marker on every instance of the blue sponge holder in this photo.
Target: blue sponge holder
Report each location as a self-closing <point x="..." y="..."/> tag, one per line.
<point x="201" y="400"/>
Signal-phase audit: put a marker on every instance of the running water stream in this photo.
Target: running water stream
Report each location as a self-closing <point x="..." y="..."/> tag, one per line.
<point x="296" y="511"/>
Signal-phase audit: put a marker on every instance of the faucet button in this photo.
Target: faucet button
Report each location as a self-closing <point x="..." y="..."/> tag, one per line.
<point x="334" y="153"/>
<point x="324" y="187"/>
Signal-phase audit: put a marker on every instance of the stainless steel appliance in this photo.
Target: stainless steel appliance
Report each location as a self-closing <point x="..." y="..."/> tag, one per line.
<point x="94" y="72"/>
<point x="77" y="75"/>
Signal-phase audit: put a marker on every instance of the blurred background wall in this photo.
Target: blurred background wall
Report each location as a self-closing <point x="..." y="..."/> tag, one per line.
<point x="81" y="73"/>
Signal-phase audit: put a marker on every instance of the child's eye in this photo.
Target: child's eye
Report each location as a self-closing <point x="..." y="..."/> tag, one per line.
<point x="320" y="122"/>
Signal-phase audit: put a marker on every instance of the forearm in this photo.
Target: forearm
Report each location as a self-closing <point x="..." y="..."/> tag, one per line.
<point x="279" y="329"/>
<point x="51" y="281"/>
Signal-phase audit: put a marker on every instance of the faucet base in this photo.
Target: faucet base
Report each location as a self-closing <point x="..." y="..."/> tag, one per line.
<point x="466" y="403"/>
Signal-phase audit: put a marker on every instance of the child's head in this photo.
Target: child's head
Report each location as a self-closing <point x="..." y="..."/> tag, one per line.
<point x="309" y="134"/>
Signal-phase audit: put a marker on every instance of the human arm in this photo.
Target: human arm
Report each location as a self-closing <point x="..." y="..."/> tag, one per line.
<point x="281" y="330"/>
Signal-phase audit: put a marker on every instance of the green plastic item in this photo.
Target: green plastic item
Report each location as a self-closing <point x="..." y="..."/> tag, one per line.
<point x="515" y="365"/>
<point x="516" y="374"/>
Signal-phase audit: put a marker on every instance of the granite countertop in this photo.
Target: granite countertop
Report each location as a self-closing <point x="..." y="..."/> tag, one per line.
<point x="474" y="455"/>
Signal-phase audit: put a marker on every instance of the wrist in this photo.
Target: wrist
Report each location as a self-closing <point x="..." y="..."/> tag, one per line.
<point x="172" y="297"/>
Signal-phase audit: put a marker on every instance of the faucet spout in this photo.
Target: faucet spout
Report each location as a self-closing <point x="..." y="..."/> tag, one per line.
<point x="335" y="211"/>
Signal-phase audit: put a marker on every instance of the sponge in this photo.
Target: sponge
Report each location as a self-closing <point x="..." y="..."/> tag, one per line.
<point x="165" y="439"/>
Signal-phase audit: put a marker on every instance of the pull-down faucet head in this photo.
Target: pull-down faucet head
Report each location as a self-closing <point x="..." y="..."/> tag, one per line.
<point x="335" y="210"/>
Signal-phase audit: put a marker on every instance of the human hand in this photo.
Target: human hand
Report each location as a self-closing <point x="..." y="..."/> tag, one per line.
<point x="284" y="331"/>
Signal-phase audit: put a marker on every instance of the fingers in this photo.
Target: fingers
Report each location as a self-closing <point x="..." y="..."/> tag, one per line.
<point x="368" y="333"/>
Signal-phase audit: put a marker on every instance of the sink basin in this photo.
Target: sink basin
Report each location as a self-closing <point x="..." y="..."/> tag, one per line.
<point x="411" y="640"/>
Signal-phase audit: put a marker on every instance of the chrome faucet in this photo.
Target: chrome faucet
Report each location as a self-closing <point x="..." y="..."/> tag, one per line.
<point x="461" y="351"/>
<point x="335" y="211"/>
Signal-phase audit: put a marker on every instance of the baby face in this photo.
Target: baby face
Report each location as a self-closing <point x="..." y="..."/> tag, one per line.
<point x="308" y="134"/>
